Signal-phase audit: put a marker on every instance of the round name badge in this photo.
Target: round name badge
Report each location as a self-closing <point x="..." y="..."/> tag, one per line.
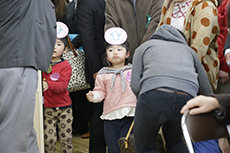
<point x="54" y="76"/>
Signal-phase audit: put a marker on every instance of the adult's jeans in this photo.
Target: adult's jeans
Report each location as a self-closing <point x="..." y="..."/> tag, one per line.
<point x="155" y="109"/>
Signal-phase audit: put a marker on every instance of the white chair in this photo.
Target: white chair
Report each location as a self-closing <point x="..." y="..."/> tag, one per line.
<point x="202" y="127"/>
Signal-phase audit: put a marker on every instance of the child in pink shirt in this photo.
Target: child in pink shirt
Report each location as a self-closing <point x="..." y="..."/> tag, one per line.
<point x="113" y="86"/>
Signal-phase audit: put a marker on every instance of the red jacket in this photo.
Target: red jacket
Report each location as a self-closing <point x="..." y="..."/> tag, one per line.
<point x="58" y="79"/>
<point x="223" y="25"/>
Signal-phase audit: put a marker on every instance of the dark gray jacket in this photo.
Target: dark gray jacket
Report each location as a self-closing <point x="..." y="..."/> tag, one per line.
<point x="27" y="33"/>
<point x="167" y="61"/>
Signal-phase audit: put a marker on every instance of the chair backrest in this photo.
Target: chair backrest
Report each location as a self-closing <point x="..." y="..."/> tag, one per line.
<point x="201" y="127"/>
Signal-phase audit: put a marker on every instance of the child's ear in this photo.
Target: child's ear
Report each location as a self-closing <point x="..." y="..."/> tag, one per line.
<point x="66" y="48"/>
<point x="127" y="54"/>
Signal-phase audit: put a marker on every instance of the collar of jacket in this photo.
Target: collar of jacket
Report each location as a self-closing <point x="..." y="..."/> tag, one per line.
<point x="107" y="70"/>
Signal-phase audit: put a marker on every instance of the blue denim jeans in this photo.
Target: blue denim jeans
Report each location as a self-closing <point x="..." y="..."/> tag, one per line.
<point x="155" y="109"/>
<point x="209" y="146"/>
<point x="115" y="129"/>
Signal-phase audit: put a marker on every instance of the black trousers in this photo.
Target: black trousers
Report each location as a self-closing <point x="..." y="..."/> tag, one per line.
<point x="82" y="109"/>
<point x="155" y="109"/>
<point x="97" y="141"/>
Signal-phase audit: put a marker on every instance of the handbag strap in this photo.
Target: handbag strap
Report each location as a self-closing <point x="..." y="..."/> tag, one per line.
<point x="71" y="46"/>
<point x="128" y="134"/>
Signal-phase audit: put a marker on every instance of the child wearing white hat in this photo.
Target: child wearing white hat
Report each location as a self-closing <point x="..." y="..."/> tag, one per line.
<point x="113" y="86"/>
<point x="57" y="103"/>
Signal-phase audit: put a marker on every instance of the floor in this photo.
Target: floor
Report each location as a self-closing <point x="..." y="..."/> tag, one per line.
<point x="79" y="145"/>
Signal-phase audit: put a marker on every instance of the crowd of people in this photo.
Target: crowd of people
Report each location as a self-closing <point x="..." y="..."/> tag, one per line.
<point x="147" y="62"/>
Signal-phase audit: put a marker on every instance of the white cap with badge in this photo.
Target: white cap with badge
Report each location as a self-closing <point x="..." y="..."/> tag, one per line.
<point x="62" y="30"/>
<point x="115" y="36"/>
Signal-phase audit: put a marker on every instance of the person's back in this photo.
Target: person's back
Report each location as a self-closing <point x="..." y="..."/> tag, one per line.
<point x="28" y="32"/>
<point x="168" y="59"/>
<point x="166" y="73"/>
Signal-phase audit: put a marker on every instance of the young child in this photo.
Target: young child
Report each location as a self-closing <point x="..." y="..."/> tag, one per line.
<point x="113" y="85"/>
<point x="57" y="103"/>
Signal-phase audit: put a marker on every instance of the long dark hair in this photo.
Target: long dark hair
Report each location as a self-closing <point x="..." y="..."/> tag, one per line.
<point x="60" y="8"/>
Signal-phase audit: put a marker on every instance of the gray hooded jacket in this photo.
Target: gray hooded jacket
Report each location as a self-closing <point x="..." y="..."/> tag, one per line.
<point x="167" y="61"/>
<point x="27" y="33"/>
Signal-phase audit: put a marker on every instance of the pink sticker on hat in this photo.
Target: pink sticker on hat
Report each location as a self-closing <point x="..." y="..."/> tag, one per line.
<point x="62" y="30"/>
<point x="115" y="36"/>
<point x="54" y="76"/>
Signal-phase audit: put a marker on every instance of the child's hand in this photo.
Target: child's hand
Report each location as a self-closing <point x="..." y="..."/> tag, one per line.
<point x="90" y="96"/>
<point x="45" y="85"/>
<point x="227" y="57"/>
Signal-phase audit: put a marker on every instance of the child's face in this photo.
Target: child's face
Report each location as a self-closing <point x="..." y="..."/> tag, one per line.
<point x="59" y="49"/>
<point x="117" y="54"/>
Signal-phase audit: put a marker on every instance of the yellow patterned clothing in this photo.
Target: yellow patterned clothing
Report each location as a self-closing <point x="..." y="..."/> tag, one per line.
<point x="201" y="30"/>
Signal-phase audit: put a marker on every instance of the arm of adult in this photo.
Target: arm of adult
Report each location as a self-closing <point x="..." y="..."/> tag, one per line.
<point x="204" y="104"/>
<point x="204" y="85"/>
<point x="111" y="17"/>
<point x="155" y="15"/>
<point x="224" y="101"/>
<point x="137" y="68"/>
<point x="200" y="104"/>
<point x="87" y="30"/>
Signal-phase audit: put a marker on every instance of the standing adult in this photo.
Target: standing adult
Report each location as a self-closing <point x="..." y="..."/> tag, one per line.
<point x="90" y="25"/>
<point x="28" y="34"/>
<point x="198" y="20"/>
<point x="139" y="18"/>
<point x="223" y="76"/>
<point x="223" y="83"/>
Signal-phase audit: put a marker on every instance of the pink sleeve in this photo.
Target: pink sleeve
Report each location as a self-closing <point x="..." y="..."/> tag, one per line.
<point x="100" y="85"/>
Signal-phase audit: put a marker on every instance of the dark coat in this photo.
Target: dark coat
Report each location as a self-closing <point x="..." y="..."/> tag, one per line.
<point x="121" y="13"/>
<point x="27" y="33"/>
<point x="90" y="25"/>
<point x="224" y="100"/>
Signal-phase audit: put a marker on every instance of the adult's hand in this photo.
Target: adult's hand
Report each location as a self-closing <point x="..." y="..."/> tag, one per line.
<point x="223" y="76"/>
<point x="224" y="145"/>
<point x="200" y="104"/>
<point x="94" y="76"/>
<point x="227" y="57"/>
